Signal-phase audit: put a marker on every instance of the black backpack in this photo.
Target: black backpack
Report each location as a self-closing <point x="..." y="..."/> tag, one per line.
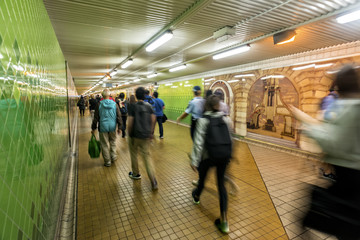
<point x="218" y="140"/>
<point x="142" y="121"/>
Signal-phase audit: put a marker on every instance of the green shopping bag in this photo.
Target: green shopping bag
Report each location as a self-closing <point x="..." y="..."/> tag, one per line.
<point x="94" y="148"/>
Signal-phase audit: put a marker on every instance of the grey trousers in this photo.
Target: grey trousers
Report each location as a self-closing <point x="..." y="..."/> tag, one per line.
<point x="138" y="145"/>
<point x="108" y="146"/>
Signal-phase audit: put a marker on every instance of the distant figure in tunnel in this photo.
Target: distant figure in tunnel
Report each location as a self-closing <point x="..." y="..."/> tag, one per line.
<point x="195" y="108"/>
<point x="159" y="107"/>
<point x="212" y="148"/>
<point x="107" y="116"/>
<point x="336" y="210"/>
<point x="124" y="106"/>
<point x="141" y="124"/>
<point x="81" y="105"/>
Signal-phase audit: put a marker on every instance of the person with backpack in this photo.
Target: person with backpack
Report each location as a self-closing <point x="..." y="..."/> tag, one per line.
<point x="81" y="105"/>
<point x="212" y="147"/>
<point x="159" y="107"/>
<point x="123" y="104"/>
<point x="141" y="124"/>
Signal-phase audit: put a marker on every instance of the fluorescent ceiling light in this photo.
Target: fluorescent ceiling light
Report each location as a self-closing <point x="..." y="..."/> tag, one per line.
<point x="272" y="76"/>
<point x="208" y="80"/>
<point x="349" y="17"/>
<point x="284" y="37"/>
<point x="324" y="65"/>
<point x="159" y="41"/>
<point x="303" y="67"/>
<point x="113" y="73"/>
<point x="127" y="63"/>
<point x="244" y="75"/>
<point x="286" y="41"/>
<point x="152" y="75"/>
<point x="177" y="68"/>
<point x="232" y="52"/>
<point x="232" y="81"/>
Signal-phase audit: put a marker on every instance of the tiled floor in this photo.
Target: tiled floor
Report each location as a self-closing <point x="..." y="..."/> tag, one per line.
<point x="113" y="206"/>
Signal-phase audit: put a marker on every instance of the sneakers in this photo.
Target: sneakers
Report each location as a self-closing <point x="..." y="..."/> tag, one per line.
<point x="136" y="177"/>
<point x="154" y="185"/>
<point x="161" y="137"/>
<point x="196" y="199"/>
<point x="195" y="182"/>
<point x="329" y="176"/>
<point x="222" y="226"/>
<point x="107" y="164"/>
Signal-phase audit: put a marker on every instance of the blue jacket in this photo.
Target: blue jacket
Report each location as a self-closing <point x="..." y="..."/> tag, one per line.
<point x="107" y="115"/>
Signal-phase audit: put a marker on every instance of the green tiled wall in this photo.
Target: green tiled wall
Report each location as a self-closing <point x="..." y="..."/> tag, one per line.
<point x="33" y="121"/>
<point x="177" y="97"/>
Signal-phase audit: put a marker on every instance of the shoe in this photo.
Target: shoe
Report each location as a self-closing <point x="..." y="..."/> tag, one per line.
<point x="138" y="176"/>
<point x="154" y="185"/>
<point x="196" y="199"/>
<point x="161" y="137"/>
<point x="329" y="176"/>
<point x="195" y="182"/>
<point x="107" y="164"/>
<point x="222" y="226"/>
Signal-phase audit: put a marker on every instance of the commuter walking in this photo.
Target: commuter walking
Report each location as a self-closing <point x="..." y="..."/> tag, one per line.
<point x="81" y="105"/>
<point x="336" y="210"/>
<point x="212" y="148"/>
<point x="148" y="98"/>
<point x="124" y="105"/>
<point x="195" y="108"/>
<point x="106" y="117"/>
<point x="93" y="105"/>
<point x="141" y="123"/>
<point x="159" y="107"/>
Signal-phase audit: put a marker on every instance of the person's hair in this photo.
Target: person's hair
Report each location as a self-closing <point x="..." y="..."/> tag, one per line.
<point x="156" y="94"/>
<point x="132" y="99"/>
<point x="147" y="92"/>
<point x="219" y="94"/>
<point x="197" y="93"/>
<point x="121" y="95"/>
<point x="208" y="93"/>
<point x="140" y="93"/>
<point x="81" y="96"/>
<point x="347" y="80"/>
<point x="106" y="92"/>
<point x="212" y="103"/>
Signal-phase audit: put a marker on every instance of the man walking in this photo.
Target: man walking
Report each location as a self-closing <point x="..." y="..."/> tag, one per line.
<point x="141" y="123"/>
<point x="107" y="115"/>
<point x="195" y="108"/>
<point x="124" y="105"/>
<point x="159" y="107"/>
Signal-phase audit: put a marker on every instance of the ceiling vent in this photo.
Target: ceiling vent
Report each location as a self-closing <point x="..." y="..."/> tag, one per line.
<point x="224" y="33"/>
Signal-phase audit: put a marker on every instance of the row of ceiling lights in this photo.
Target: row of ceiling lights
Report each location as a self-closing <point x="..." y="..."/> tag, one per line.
<point x="279" y="38"/>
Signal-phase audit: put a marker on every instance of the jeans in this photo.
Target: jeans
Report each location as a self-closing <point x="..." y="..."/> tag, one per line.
<point x="160" y="122"/>
<point x="108" y="139"/>
<point x="203" y="168"/>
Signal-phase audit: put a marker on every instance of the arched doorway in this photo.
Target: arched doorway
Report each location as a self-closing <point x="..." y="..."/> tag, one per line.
<point x="224" y="88"/>
<point x="268" y="112"/>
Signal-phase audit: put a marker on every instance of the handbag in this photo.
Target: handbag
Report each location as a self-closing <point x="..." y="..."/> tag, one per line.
<point x="164" y="118"/>
<point x="94" y="148"/>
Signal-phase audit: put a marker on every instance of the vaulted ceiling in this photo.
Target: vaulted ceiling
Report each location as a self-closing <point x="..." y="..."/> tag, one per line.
<point x="98" y="36"/>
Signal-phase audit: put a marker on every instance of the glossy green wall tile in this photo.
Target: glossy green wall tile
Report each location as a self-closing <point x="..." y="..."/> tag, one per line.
<point x="33" y="121"/>
<point x="177" y="97"/>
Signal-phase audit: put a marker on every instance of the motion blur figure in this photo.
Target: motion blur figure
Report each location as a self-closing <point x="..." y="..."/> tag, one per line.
<point x="336" y="210"/>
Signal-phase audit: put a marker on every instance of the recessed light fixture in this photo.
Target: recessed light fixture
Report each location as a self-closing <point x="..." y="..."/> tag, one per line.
<point x="159" y="41"/>
<point x="127" y="63"/>
<point x="177" y="68"/>
<point x="349" y="17"/>
<point x="152" y="75"/>
<point x="231" y="52"/>
<point x="245" y="75"/>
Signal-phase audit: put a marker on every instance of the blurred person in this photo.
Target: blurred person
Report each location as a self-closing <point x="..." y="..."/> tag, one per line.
<point x="107" y="116"/>
<point x="195" y="108"/>
<point x="149" y="99"/>
<point x="93" y="105"/>
<point x="98" y="98"/>
<point x="336" y="210"/>
<point x="212" y="148"/>
<point x="123" y="104"/>
<point x="141" y="123"/>
<point x="208" y="93"/>
<point x="223" y="106"/>
<point x="159" y="108"/>
<point x="132" y="100"/>
<point x="81" y="105"/>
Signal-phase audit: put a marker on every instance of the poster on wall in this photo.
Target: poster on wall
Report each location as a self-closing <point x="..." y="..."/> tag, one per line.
<point x="267" y="111"/>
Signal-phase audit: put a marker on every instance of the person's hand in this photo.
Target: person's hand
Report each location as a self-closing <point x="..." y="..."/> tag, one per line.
<point x="194" y="168"/>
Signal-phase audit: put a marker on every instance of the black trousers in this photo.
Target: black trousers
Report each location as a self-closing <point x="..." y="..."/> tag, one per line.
<point x="220" y="165"/>
<point x="193" y="127"/>
<point x="123" y="128"/>
<point x="82" y="112"/>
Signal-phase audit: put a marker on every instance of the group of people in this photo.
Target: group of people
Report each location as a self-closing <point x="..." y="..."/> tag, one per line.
<point x="141" y="115"/>
<point x="338" y="136"/>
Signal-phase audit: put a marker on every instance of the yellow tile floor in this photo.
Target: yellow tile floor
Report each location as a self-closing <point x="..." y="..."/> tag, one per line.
<point x="113" y="206"/>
